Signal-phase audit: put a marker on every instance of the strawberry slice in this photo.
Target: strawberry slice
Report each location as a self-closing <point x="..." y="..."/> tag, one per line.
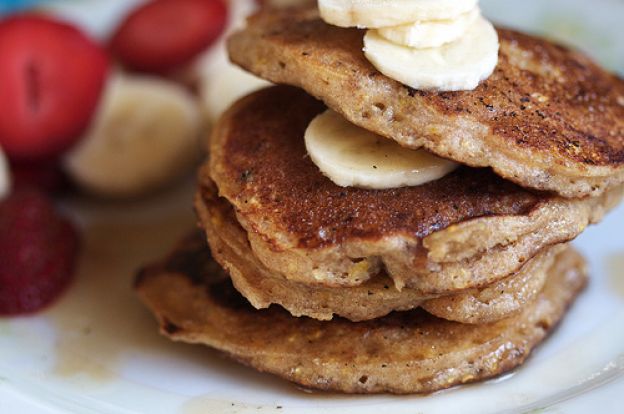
<point x="165" y="34"/>
<point x="51" y="78"/>
<point x="39" y="250"/>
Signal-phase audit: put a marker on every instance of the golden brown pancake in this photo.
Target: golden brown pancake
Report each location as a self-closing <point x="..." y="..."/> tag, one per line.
<point x="548" y="118"/>
<point x="375" y="298"/>
<point x="404" y="352"/>
<point x="467" y="230"/>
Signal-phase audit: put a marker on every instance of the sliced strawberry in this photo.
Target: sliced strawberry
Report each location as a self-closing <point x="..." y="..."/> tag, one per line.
<point x="38" y="253"/>
<point x="162" y="35"/>
<point x="51" y="78"/>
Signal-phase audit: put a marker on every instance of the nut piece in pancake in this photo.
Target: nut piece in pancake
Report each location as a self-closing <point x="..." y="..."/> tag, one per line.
<point x="548" y="118"/>
<point x="404" y="352"/>
<point x="375" y="298"/>
<point x="466" y="230"/>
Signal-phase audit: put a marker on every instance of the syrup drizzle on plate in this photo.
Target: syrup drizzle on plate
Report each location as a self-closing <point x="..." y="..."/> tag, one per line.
<point x="100" y="318"/>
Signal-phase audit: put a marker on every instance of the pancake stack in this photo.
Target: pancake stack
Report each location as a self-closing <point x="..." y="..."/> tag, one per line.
<point x="401" y="290"/>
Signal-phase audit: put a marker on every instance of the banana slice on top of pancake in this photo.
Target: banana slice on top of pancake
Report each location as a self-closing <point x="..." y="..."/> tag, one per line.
<point x="387" y="13"/>
<point x="432" y="33"/>
<point x="459" y="65"/>
<point x="351" y="156"/>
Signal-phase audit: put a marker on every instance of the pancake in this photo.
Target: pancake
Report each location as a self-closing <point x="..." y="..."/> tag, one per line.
<point x="467" y="230"/>
<point x="548" y="118"/>
<point x="375" y="298"/>
<point x="404" y="352"/>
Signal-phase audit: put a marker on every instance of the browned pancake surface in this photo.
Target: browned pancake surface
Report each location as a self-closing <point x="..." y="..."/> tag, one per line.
<point x="548" y="118"/>
<point x="260" y="164"/>
<point x="404" y="352"/>
<point x="465" y="230"/>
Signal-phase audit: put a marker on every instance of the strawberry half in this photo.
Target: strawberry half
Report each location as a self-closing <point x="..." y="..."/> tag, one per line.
<point x="38" y="250"/>
<point x="163" y="35"/>
<point x="51" y="78"/>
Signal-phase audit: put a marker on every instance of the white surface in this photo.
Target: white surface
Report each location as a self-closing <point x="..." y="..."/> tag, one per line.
<point x="97" y="350"/>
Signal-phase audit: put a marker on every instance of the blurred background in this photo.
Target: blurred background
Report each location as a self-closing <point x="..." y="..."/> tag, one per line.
<point x="8" y="6"/>
<point x="144" y="131"/>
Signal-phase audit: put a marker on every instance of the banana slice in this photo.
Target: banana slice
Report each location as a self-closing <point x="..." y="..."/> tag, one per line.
<point x="456" y="66"/>
<point x="145" y="134"/>
<point x="432" y="33"/>
<point x="388" y="13"/>
<point x="354" y="157"/>
<point x="5" y="176"/>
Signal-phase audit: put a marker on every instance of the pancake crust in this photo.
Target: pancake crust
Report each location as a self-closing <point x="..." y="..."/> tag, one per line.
<point x="375" y="298"/>
<point x="548" y="118"/>
<point x="404" y="352"/>
<point x="466" y="230"/>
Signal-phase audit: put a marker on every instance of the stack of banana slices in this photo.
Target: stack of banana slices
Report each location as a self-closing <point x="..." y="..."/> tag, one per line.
<point x="440" y="45"/>
<point x="395" y="216"/>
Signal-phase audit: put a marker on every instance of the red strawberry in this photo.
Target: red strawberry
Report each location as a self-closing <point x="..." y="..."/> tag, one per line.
<point x="38" y="250"/>
<point x="51" y="78"/>
<point x="164" y="34"/>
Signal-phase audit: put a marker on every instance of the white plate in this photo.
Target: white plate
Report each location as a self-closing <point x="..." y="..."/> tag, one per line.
<point x="97" y="350"/>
